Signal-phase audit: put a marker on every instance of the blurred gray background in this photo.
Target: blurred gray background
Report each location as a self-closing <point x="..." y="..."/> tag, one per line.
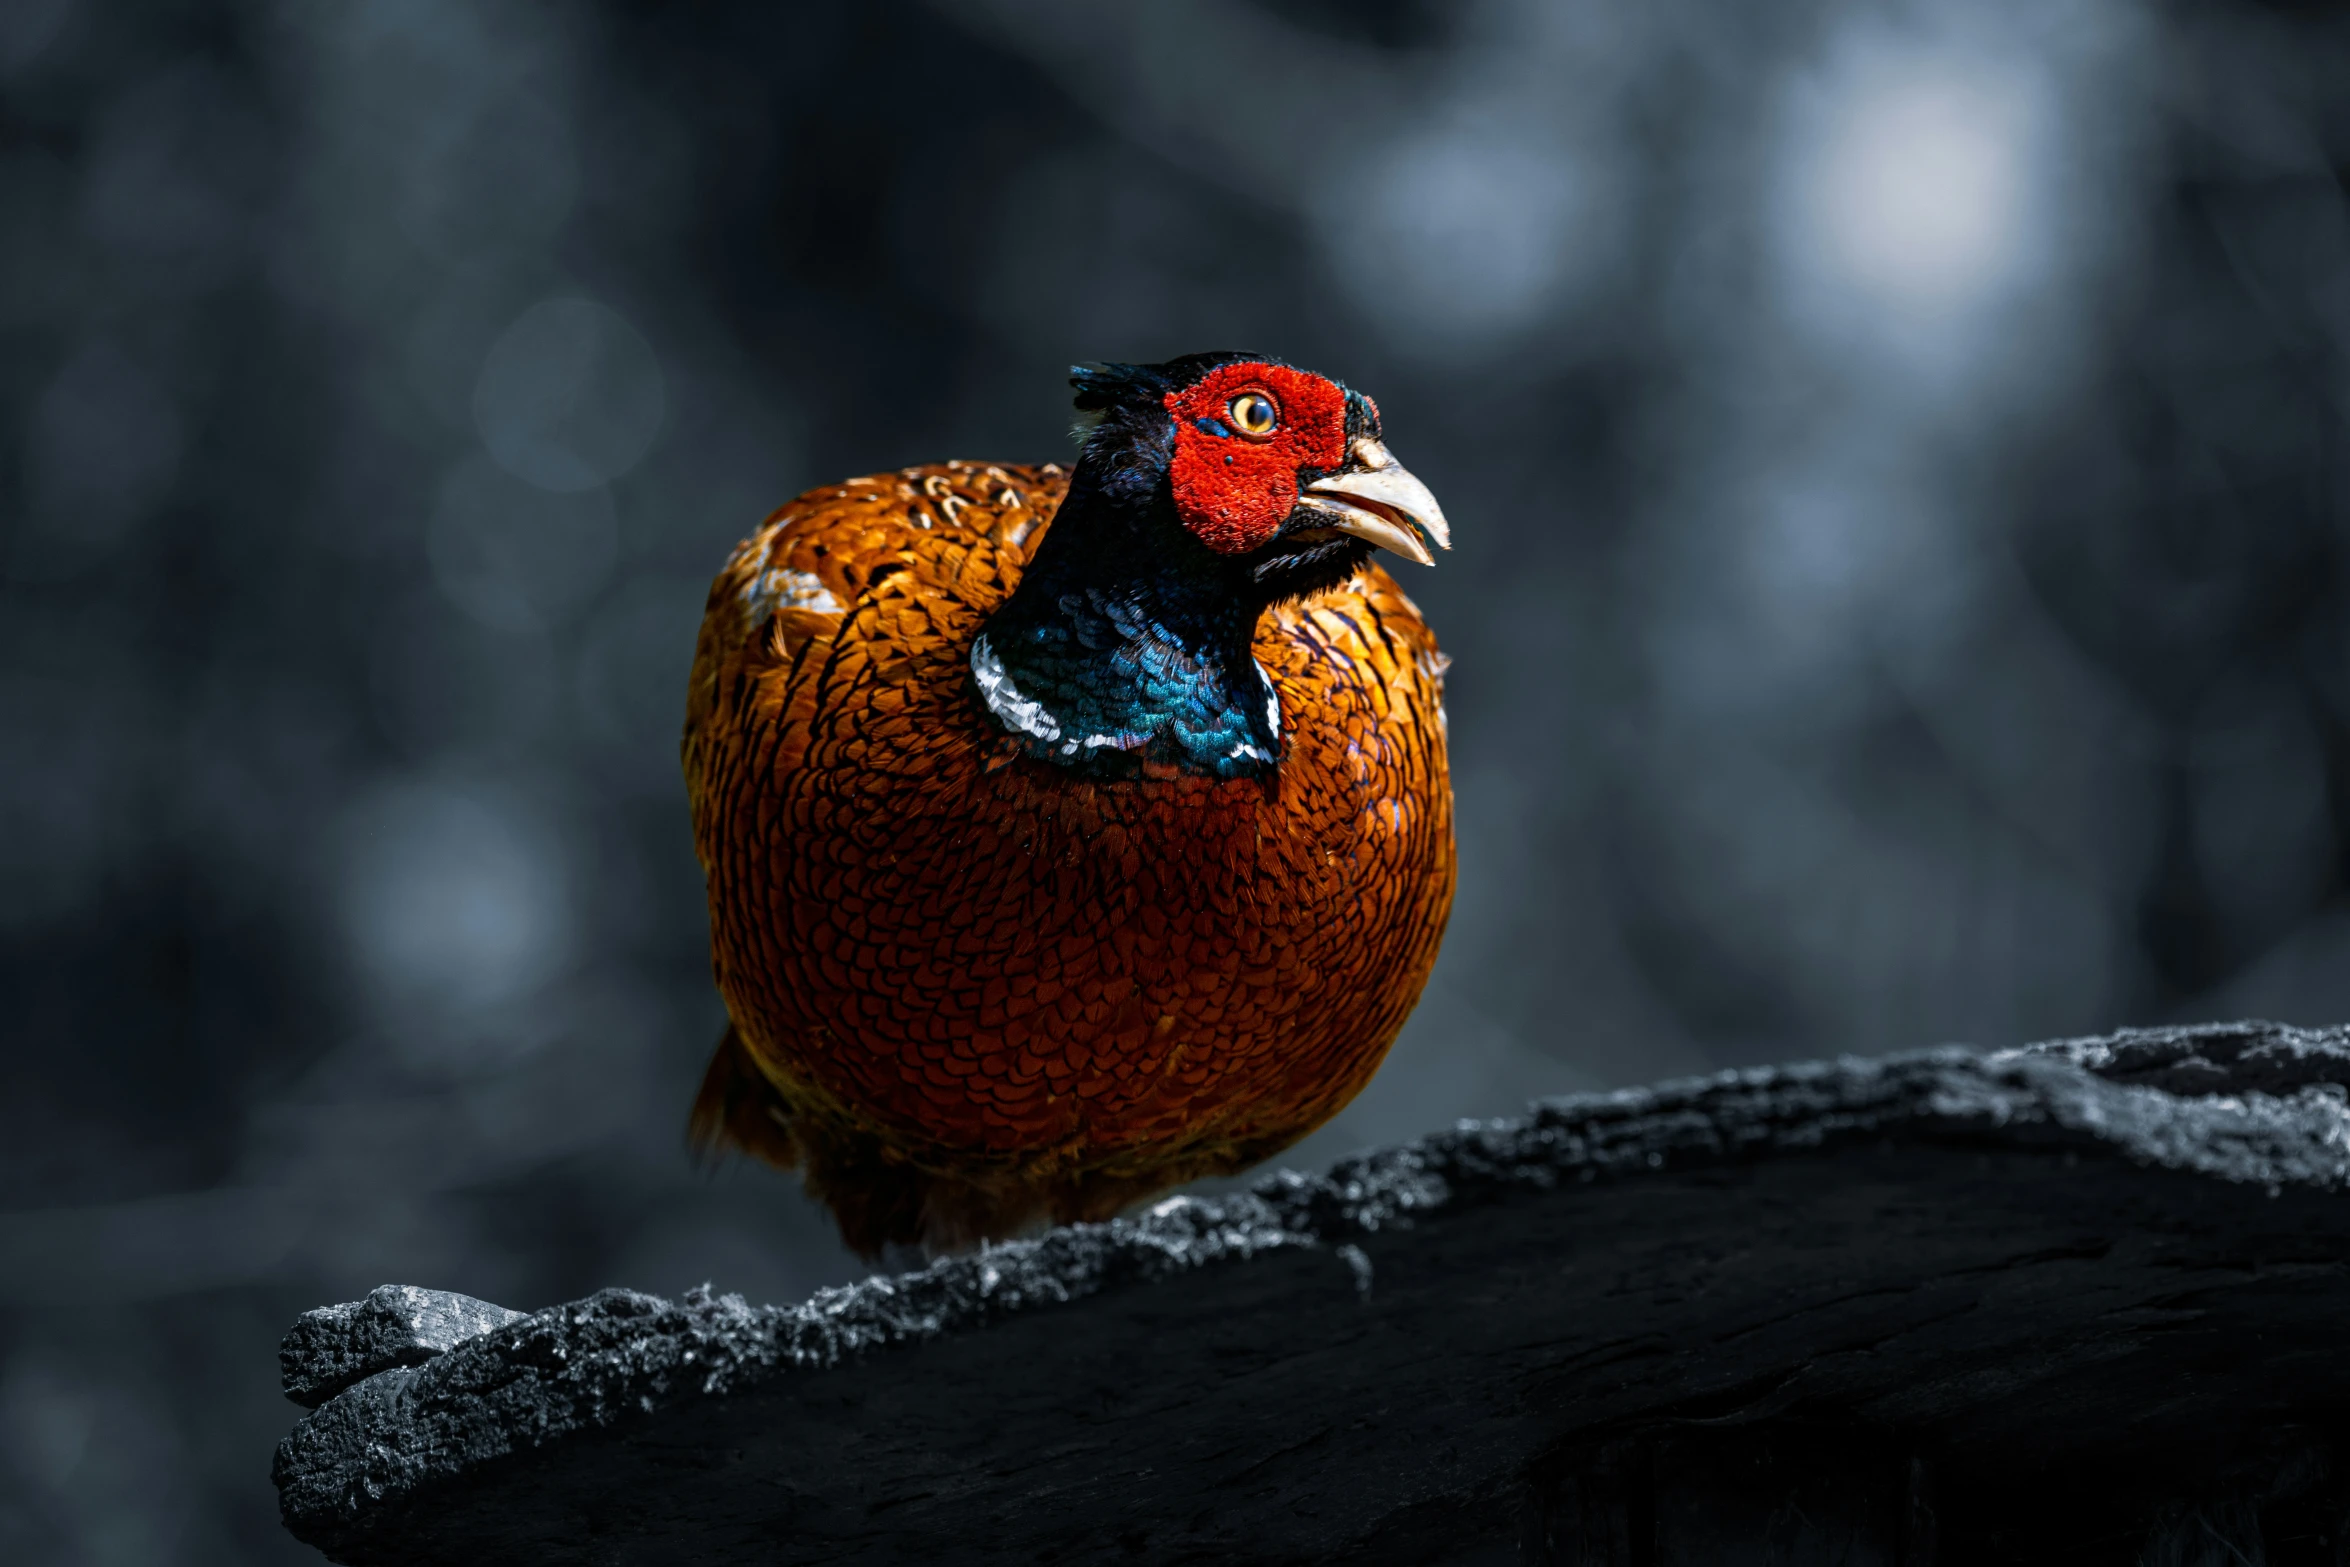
<point x="1897" y="452"/>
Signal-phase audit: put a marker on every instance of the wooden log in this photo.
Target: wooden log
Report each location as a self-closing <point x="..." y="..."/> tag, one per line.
<point x="2056" y="1305"/>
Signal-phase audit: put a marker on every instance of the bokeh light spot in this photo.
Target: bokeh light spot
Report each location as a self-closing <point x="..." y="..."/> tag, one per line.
<point x="570" y="396"/>
<point x="453" y="897"/>
<point x="1913" y="189"/>
<point x="1457" y="239"/>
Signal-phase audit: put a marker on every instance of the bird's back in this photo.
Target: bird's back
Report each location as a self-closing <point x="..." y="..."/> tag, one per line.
<point x="1054" y="993"/>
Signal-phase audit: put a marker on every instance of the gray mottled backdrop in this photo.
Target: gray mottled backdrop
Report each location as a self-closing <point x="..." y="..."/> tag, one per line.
<point x="1897" y="452"/>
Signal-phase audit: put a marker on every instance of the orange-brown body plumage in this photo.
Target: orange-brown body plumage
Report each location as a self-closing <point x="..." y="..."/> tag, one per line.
<point x="969" y="989"/>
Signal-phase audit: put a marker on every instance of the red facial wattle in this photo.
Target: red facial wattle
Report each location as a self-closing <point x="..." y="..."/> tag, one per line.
<point x="1234" y="490"/>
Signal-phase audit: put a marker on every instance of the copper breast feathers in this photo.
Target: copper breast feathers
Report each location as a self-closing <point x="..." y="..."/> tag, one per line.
<point x="990" y="964"/>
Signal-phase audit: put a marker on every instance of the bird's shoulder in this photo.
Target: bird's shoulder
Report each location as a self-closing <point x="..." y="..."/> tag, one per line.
<point x="1363" y="643"/>
<point x="962" y="528"/>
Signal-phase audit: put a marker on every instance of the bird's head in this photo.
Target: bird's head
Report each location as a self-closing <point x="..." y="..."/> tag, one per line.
<point x="1280" y="472"/>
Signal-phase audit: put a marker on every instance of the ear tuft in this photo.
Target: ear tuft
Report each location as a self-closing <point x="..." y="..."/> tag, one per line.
<point x="1104" y="386"/>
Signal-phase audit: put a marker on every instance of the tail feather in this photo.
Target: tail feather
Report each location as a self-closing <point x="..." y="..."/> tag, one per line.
<point x="883" y="1205"/>
<point x="738" y="1110"/>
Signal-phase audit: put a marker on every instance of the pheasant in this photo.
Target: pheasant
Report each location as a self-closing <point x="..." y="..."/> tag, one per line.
<point x="1071" y="834"/>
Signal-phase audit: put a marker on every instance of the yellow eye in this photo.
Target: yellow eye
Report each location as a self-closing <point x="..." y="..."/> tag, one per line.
<point x="1253" y="413"/>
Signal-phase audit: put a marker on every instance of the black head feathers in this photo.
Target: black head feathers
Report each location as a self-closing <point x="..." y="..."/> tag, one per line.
<point x="1101" y="387"/>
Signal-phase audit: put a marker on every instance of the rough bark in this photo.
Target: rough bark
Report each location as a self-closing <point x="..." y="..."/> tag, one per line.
<point x="2039" y="1305"/>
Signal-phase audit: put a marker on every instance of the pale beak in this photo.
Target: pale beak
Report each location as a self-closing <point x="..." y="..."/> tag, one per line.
<point x="1378" y="499"/>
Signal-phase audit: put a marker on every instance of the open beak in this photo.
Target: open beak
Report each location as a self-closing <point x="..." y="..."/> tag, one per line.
<point x="1376" y="498"/>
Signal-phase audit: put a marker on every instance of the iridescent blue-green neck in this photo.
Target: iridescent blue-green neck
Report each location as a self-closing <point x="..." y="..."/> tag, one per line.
<point x="1127" y="642"/>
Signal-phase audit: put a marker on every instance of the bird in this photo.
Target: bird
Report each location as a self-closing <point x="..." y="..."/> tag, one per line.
<point x="1071" y="832"/>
